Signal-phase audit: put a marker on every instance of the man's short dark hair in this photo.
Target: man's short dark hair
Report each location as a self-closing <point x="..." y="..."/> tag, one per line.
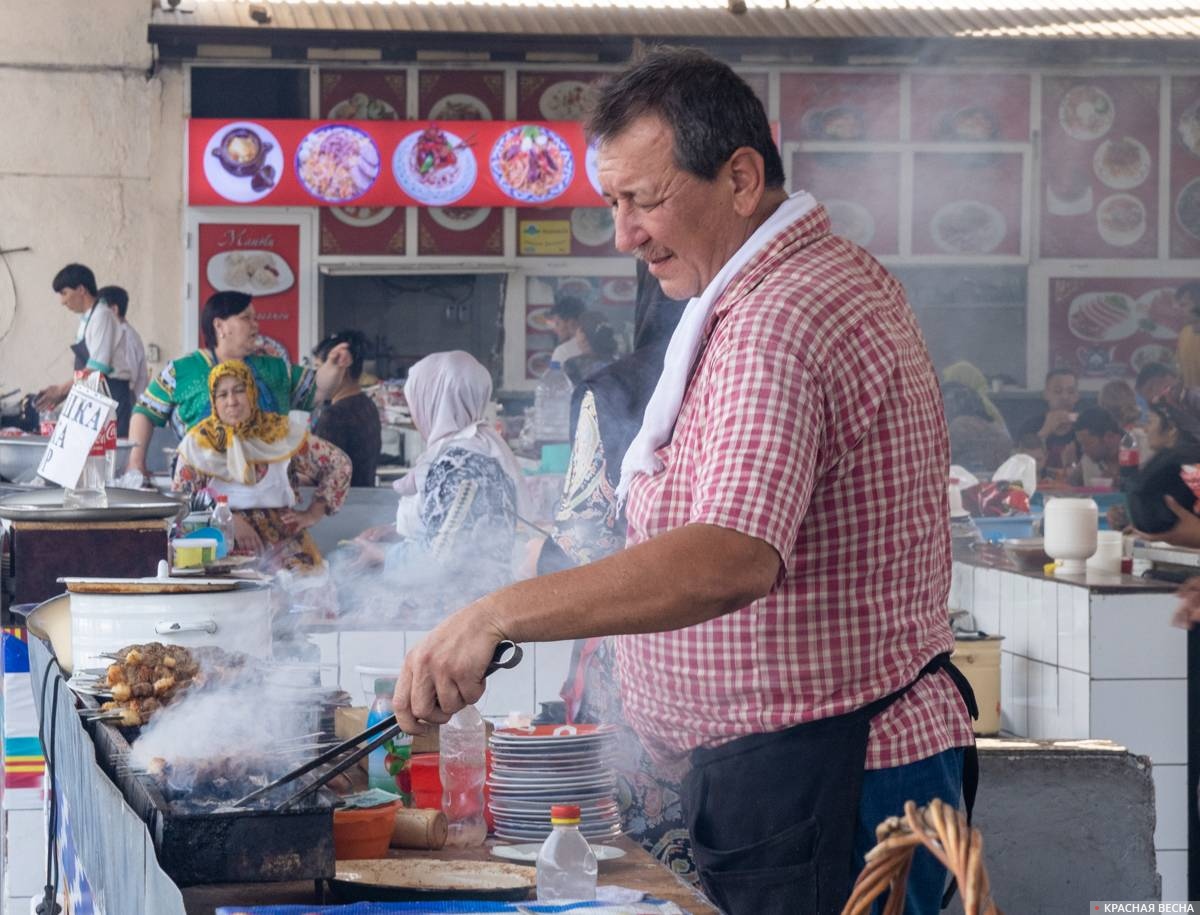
<point x="74" y="275"/>
<point x="710" y="109"/>
<point x="114" y="295"/>
<point x="220" y="305"/>
<point x="1098" y="421"/>
<point x="569" y="308"/>
<point x="1053" y="373"/>
<point x="1149" y="372"/>
<point x="358" y="350"/>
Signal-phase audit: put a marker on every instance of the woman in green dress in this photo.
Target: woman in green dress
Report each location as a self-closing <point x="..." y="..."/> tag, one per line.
<point x="229" y="328"/>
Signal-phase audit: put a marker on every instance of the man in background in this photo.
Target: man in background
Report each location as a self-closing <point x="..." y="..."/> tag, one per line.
<point x="95" y="340"/>
<point x="350" y="419"/>
<point x="1099" y="440"/>
<point x="1054" y="422"/>
<point x="564" y="321"/>
<point x="129" y="354"/>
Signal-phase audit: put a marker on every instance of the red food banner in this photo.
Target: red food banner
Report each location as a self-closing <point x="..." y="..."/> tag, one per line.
<point x="966" y="204"/>
<point x="830" y="107"/>
<point x="264" y="261"/>
<point x="1106" y="327"/>
<point x="1185" y="166"/>
<point x="1100" y="155"/>
<point x="970" y="107"/>
<point x="860" y="190"/>
<point x="390" y="163"/>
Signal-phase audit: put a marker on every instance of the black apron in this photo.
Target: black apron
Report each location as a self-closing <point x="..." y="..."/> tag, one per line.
<point x="118" y="388"/>
<point x="805" y="863"/>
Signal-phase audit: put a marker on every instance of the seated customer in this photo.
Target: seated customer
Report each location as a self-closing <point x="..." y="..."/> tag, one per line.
<point x="1119" y="399"/>
<point x="256" y="458"/>
<point x="966" y="373"/>
<point x="457" y="516"/>
<point x="1099" y="440"/>
<point x="1053" y="423"/>
<point x="1153" y="381"/>
<point x="1169" y="427"/>
<point x="977" y="442"/>
<point x="350" y="419"/>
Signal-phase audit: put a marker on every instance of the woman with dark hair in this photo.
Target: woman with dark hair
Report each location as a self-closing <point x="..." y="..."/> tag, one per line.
<point x="350" y="419"/>
<point x="606" y="414"/>
<point x="977" y="442"/>
<point x="229" y="330"/>
<point x="599" y="344"/>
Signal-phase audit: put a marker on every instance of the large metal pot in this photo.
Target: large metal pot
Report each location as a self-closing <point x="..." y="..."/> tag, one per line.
<point x="21" y="455"/>
<point x="101" y="615"/>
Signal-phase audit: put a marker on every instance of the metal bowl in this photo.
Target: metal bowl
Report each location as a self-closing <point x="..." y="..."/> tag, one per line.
<point x="20" y="456"/>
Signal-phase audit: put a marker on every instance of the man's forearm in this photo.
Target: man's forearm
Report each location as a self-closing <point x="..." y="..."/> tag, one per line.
<point x="681" y="578"/>
<point x="140" y="432"/>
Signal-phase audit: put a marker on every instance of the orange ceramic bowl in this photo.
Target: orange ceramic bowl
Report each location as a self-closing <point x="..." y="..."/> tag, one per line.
<point x="363" y="832"/>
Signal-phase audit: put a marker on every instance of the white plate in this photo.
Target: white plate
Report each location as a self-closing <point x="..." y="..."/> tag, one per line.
<point x="361" y="217"/>
<point x="252" y="272"/>
<point x="537" y="363"/>
<point x="1086" y="112"/>
<point x="592" y="226"/>
<point x="459" y="219"/>
<point x="234" y="187"/>
<point x="528" y="852"/>
<point x="622" y="289"/>
<point x="591" y="164"/>
<point x="1121" y="219"/>
<point x="968" y="227"/>
<point x="564" y="100"/>
<point x="511" y="160"/>
<point x="1151" y="352"/>
<point x="851" y="220"/>
<point x="1189" y="129"/>
<point x="354" y="168"/>
<point x="1102" y="317"/>
<point x="1122" y="163"/>
<point x="1068" y="206"/>
<point x="1162" y="309"/>
<point x="1187" y="208"/>
<point x="449" y="183"/>
<point x="458" y="106"/>
<point x="362" y="107"/>
<point x="526" y="835"/>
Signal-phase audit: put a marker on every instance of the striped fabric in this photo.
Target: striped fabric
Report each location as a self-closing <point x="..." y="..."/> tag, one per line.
<point x="813" y="422"/>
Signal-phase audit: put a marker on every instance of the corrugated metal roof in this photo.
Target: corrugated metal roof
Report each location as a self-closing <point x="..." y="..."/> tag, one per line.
<point x="825" y="19"/>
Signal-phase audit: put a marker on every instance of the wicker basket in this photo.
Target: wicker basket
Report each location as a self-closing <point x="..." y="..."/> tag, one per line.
<point x="943" y="830"/>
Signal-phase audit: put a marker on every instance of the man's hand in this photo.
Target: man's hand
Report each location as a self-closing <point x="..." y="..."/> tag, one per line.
<point x="445" y="672"/>
<point x="1057" y="422"/>
<point x="245" y="537"/>
<point x="50" y="397"/>
<point x="333" y="370"/>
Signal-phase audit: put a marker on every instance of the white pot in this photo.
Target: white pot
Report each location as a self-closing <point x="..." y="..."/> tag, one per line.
<point x="236" y="620"/>
<point x="1070" y="531"/>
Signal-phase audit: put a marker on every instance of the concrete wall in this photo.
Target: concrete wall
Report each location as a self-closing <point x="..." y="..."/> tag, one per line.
<point x="91" y="152"/>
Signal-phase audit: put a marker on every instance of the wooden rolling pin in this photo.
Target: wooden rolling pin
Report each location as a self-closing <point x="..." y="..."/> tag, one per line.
<point x="418" y="827"/>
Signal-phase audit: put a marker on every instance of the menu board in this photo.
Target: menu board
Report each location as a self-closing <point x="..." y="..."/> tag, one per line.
<point x="969" y="107"/>
<point x="263" y="261"/>
<point x="861" y="191"/>
<point x="1099" y="155"/>
<point x="1185" y="166"/>
<point x="612" y="296"/>
<point x="586" y="232"/>
<point x="967" y="204"/>
<point x="839" y="106"/>
<point x="389" y="163"/>
<point x="362" y="230"/>
<point x="1107" y="327"/>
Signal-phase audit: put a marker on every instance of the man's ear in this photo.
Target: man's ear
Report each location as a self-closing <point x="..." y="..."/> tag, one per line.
<point x="747" y="174"/>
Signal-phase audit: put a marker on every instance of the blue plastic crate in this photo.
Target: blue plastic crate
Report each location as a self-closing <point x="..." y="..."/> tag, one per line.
<point x="1012" y="527"/>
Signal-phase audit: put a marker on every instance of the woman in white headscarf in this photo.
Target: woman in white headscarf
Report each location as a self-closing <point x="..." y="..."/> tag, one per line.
<point x="459" y="504"/>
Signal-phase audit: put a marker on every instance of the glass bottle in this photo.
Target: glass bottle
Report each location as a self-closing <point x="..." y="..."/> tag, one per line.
<point x="566" y="864"/>
<point x="90" y="490"/>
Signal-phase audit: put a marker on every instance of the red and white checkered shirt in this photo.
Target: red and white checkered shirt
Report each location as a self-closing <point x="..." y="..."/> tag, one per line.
<point x="813" y="421"/>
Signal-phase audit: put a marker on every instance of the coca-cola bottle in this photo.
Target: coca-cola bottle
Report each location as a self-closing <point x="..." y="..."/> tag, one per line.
<point x="90" y="491"/>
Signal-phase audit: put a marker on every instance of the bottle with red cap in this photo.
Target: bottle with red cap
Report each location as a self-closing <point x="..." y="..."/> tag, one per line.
<point x="566" y="865"/>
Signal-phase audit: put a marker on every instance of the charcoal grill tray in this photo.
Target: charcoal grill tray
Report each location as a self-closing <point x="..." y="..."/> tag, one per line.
<point x="243" y="846"/>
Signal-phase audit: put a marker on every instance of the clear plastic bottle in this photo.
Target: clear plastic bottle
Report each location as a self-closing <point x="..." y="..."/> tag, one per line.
<point x="462" y="765"/>
<point x="90" y="489"/>
<point x="566" y="864"/>
<point x="222" y="520"/>
<point x="552" y="405"/>
<point x="377" y="762"/>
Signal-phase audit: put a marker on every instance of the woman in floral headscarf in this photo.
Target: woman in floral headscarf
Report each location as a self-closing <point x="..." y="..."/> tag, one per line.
<point x="258" y="459"/>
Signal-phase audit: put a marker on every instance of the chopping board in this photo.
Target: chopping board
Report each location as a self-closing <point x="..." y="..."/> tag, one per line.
<point x="146" y="585"/>
<point x="399" y="879"/>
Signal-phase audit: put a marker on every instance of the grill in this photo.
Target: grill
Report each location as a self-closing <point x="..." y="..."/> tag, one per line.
<point x="196" y="845"/>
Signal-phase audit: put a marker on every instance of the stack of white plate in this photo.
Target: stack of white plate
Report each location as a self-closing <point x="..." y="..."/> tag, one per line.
<point x="537" y="767"/>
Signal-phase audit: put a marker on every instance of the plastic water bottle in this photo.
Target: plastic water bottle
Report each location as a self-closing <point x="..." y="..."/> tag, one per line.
<point x="566" y="864"/>
<point x="552" y="405"/>
<point x="462" y="764"/>
<point x="377" y="762"/>
<point x="222" y="520"/>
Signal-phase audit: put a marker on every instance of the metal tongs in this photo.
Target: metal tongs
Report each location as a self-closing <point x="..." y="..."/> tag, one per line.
<point x="506" y="656"/>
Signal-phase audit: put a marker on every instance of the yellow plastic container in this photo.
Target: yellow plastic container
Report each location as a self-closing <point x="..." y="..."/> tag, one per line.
<point x="193" y="552"/>
<point x="979" y="661"/>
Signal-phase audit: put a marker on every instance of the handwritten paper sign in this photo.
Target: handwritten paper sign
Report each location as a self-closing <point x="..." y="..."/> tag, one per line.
<point x="81" y="421"/>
